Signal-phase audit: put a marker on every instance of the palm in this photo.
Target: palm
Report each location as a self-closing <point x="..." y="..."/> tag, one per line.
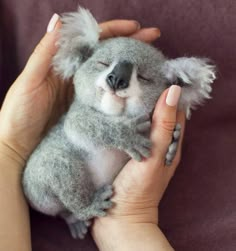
<point x="38" y="108"/>
<point x="54" y="97"/>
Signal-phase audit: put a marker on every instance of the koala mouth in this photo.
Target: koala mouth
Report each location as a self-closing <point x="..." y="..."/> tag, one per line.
<point x="111" y="92"/>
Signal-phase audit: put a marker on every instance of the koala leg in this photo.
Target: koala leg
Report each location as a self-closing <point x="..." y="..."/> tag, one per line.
<point x="173" y="145"/>
<point x="79" y="197"/>
<point x="101" y="202"/>
<point x="98" y="205"/>
<point x="78" y="228"/>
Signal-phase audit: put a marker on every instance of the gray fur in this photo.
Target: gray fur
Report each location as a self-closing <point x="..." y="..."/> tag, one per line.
<point x="71" y="170"/>
<point x="194" y="72"/>
<point x="77" y="40"/>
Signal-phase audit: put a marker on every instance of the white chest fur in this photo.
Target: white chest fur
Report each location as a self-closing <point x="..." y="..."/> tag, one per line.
<point x="105" y="164"/>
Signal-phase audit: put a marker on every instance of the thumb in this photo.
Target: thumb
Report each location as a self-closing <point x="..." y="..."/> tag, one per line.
<point x="164" y="121"/>
<point x="39" y="62"/>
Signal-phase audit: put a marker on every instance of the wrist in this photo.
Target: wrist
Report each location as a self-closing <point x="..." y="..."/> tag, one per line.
<point x="9" y="157"/>
<point x="115" y="235"/>
<point x="14" y="216"/>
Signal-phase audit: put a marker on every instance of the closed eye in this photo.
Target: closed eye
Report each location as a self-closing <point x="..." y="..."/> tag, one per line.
<point x="143" y="78"/>
<point x="103" y="63"/>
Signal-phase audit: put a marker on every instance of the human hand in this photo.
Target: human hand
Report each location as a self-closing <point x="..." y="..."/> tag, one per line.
<point x="140" y="186"/>
<point x="37" y="98"/>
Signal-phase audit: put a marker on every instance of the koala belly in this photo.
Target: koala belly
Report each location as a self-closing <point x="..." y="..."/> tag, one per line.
<point x="105" y="164"/>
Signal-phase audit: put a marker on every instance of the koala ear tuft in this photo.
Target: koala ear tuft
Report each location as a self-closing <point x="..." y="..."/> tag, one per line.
<point x="78" y="37"/>
<point x="194" y="75"/>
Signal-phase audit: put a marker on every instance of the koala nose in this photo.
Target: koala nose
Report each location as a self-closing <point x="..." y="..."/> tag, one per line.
<point x="116" y="82"/>
<point x="120" y="76"/>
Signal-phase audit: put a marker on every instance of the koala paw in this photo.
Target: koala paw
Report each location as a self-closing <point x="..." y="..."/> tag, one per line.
<point x="143" y="124"/>
<point x="174" y="145"/>
<point x="102" y="201"/>
<point x="139" y="145"/>
<point x="79" y="229"/>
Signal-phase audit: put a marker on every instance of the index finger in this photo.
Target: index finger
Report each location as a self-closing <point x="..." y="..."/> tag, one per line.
<point x="39" y="63"/>
<point x="115" y="28"/>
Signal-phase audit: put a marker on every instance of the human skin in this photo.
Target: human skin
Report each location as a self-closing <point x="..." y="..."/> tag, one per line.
<point x="33" y="104"/>
<point x="132" y="224"/>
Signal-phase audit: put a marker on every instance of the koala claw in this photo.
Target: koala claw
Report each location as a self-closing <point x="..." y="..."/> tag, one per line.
<point x="142" y="119"/>
<point x="144" y="127"/>
<point x="144" y="151"/>
<point x="135" y="155"/>
<point x="102" y="201"/>
<point x="141" y="147"/>
<point x="173" y="146"/>
<point x="141" y="123"/>
<point x="79" y="229"/>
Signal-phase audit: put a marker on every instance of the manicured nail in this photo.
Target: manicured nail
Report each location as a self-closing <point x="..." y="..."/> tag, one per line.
<point x="173" y="95"/>
<point x="52" y="23"/>
<point x="157" y="30"/>
<point x="138" y="25"/>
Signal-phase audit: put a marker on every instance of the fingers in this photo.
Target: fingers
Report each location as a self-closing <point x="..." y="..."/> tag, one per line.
<point x="147" y="35"/>
<point x="39" y="62"/>
<point x="130" y="28"/>
<point x="117" y="28"/>
<point x="164" y="121"/>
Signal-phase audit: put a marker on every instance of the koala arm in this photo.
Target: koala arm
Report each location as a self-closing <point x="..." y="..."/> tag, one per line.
<point x="84" y="122"/>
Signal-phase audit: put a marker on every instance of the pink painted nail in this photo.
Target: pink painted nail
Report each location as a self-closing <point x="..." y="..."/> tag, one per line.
<point x="156" y="30"/>
<point x="138" y="25"/>
<point x="52" y="23"/>
<point x="173" y="95"/>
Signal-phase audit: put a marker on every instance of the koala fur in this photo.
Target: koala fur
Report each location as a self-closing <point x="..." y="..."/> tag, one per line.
<point x="71" y="171"/>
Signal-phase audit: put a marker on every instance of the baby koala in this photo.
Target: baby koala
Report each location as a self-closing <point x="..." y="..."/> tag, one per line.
<point x="117" y="84"/>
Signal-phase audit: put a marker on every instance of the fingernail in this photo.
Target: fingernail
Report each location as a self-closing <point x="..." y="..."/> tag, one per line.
<point x="173" y="95"/>
<point x="157" y="30"/>
<point x="138" y="25"/>
<point x="52" y="23"/>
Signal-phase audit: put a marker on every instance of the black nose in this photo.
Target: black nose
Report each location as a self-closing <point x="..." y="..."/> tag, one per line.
<point x="120" y="76"/>
<point x="116" y="82"/>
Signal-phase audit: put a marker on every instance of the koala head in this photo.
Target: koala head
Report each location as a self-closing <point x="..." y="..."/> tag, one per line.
<point x="124" y="76"/>
<point x="116" y="79"/>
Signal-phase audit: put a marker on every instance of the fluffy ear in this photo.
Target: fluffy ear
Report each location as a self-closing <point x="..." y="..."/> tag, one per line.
<point x="78" y="36"/>
<point x="194" y="75"/>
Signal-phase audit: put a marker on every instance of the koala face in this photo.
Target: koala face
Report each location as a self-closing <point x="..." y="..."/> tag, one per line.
<point x="121" y="77"/>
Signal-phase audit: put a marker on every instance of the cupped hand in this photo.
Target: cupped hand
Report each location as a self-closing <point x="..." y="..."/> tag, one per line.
<point x="37" y="98"/>
<point x="139" y="186"/>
